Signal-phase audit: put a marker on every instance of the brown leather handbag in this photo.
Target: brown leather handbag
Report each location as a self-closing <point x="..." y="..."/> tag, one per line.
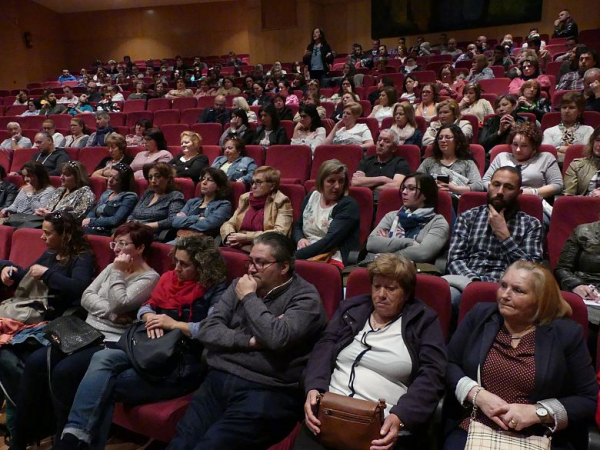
<point x="348" y="423"/>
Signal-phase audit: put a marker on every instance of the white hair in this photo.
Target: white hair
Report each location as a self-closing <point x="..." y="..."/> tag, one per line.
<point x="10" y="125"/>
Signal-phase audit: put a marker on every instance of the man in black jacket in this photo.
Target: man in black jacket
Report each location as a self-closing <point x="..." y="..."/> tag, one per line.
<point x="217" y="114"/>
<point x="565" y="26"/>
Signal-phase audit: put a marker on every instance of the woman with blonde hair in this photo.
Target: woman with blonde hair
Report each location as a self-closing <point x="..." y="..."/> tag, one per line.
<point x="241" y="103"/>
<point x="349" y="131"/>
<point x="472" y="103"/>
<point x="448" y="112"/>
<point x="190" y="162"/>
<point x="405" y="124"/>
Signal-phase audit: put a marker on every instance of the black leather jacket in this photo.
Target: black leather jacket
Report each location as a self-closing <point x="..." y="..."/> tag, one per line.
<point x="579" y="261"/>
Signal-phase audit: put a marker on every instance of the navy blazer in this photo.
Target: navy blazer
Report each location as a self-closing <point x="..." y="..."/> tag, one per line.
<point x="562" y="361"/>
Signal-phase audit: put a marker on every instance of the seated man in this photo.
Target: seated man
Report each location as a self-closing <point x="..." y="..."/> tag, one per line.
<point x="451" y="49"/>
<point x="66" y="76"/>
<point x="94" y="95"/>
<point x="50" y="128"/>
<point x="69" y="98"/>
<point x="259" y="337"/>
<point x="479" y="70"/>
<point x="573" y="81"/>
<point x="383" y="170"/>
<point x="52" y="106"/>
<point x="103" y="130"/>
<point x="565" y="26"/>
<point x="217" y="114"/>
<point x="489" y="238"/>
<point x="16" y="139"/>
<point x="591" y="89"/>
<point x="49" y="156"/>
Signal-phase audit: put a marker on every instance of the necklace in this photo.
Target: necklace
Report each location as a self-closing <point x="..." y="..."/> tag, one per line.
<point x="523" y="333"/>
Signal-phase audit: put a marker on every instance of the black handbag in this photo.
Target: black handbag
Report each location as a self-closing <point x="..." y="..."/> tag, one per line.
<point x="153" y="359"/>
<point x="70" y="334"/>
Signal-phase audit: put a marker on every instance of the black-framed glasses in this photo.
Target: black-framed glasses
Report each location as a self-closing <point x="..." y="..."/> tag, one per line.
<point x="259" y="182"/>
<point x="410" y="188"/>
<point x="258" y="265"/>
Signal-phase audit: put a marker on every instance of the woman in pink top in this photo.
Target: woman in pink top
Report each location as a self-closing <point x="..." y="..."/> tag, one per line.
<point x="285" y="90"/>
<point x="156" y="146"/>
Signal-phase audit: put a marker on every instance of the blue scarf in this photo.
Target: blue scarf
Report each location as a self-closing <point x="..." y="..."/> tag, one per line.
<point x="411" y="224"/>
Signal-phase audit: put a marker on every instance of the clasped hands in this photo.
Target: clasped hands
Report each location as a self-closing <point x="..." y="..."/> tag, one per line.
<point x="508" y="416"/>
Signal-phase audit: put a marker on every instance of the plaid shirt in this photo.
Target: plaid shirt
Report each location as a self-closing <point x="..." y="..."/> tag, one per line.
<point x="570" y="81"/>
<point x="476" y="252"/>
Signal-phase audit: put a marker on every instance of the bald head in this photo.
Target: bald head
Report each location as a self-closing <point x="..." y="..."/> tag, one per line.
<point x="220" y="103"/>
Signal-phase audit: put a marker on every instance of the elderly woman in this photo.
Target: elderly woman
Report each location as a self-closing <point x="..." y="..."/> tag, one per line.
<point x="472" y="103"/>
<point x="496" y="129"/>
<point x="415" y="231"/>
<point x="241" y="103"/>
<point x="161" y="202"/>
<point x="531" y="100"/>
<point x="80" y="134"/>
<point x="349" y="131"/>
<point x="137" y="138"/>
<point x="264" y="208"/>
<point x="387" y="99"/>
<point x="115" y="204"/>
<point x="391" y="313"/>
<point x="228" y="88"/>
<point x="570" y="130"/>
<point x="239" y="127"/>
<point x="180" y="301"/>
<point x="448" y="83"/>
<point x="156" y="151"/>
<point x="581" y="177"/>
<point x="181" y="92"/>
<point x="234" y="161"/>
<point x="74" y="195"/>
<point x="529" y="69"/>
<point x="346" y="99"/>
<point x="328" y="227"/>
<point x="206" y="213"/>
<point x="405" y="124"/>
<point x="540" y="172"/>
<point x="270" y="132"/>
<point x="190" y="162"/>
<point x="452" y="163"/>
<point x="34" y="194"/>
<point x="498" y="363"/>
<point x="448" y="112"/>
<point x="309" y="130"/>
<point x="430" y="97"/>
<point x="116" y="151"/>
<point x="119" y="290"/>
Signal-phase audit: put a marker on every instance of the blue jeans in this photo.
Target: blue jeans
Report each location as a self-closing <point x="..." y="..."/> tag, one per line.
<point x="111" y="378"/>
<point x="228" y="412"/>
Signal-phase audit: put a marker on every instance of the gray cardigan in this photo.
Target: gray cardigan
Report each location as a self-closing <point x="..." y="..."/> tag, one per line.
<point x="464" y="167"/>
<point x="432" y="239"/>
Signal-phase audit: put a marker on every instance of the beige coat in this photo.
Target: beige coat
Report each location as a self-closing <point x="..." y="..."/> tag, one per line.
<point x="578" y="176"/>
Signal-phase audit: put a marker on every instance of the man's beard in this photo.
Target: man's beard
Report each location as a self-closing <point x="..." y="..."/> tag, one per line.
<point x="501" y="203"/>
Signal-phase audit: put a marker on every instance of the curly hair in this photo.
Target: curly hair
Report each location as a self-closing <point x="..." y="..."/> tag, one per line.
<point x="462" y="150"/>
<point x="206" y="257"/>
<point x="531" y="132"/>
<point x="73" y="242"/>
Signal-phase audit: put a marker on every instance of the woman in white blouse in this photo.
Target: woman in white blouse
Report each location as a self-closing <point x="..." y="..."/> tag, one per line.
<point x="34" y="194"/>
<point x="472" y="103"/>
<point x="348" y="131"/>
<point x="387" y="99"/>
<point x="309" y="130"/>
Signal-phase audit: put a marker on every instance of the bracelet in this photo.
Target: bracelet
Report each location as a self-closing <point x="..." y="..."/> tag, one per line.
<point x="474" y="399"/>
<point x="534" y="191"/>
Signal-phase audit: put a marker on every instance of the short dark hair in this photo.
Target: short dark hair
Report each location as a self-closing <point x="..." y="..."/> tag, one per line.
<point x="282" y="248"/>
<point x="427" y="185"/>
<point x="511" y="169"/>
<point x="140" y="234"/>
<point x="164" y="170"/>
<point x="221" y="180"/>
<point x="157" y="136"/>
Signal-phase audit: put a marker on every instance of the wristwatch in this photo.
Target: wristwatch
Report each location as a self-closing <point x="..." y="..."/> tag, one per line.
<point x="541" y="412"/>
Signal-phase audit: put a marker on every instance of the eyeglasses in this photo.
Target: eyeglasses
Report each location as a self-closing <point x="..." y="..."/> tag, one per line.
<point x="410" y="188"/>
<point x="445" y="138"/>
<point x="258" y="265"/>
<point x="259" y="182"/>
<point x="120" y="244"/>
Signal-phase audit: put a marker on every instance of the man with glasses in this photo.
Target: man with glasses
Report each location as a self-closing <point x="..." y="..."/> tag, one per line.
<point x="258" y="337"/>
<point x="489" y="238"/>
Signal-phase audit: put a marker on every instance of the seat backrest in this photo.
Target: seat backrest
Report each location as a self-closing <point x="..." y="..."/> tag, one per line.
<point x="592" y="118"/>
<point x="117" y="119"/>
<point x="530" y="204"/>
<point x="160" y="257"/>
<point x="296" y="194"/>
<point x="434" y="291"/>
<point x="550" y="119"/>
<point x="328" y="281"/>
<point x="234" y="260"/>
<point x="157" y="104"/>
<point x="20" y="157"/>
<point x="568" y="213"/>
<point x="26" y="247"/>
<point x="350" y="155"/>
<point x="133" y="117"/>
<point x="257" y="153"/>
<point x="210" y="132"/>
<point x="166" y="117"/>
<point x="173" y="132"/>
<point x="495" y="85"/>
<point x="134" y="105"/>
<point x="474" y="121"/>
<point x="480" y="291"/>
<point x="573" y="151"/>
<point x="184" y="103"/>
<point x="211" y="152"/>
<point x="190" y="116"/>
<point x="5" y="241"/>
<point x="364" y="198"/>
<point x="373" y="125"/>
<point x="90" y="157"/>
<point x="102" y="252"/>
<point x="293" y="161"/>
<point x="186" y="187"/>
<point x="61" y="120"/>
<point x="98" y="186"/>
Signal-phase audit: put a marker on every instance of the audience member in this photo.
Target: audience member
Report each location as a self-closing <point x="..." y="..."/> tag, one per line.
<point x="573" y="81"/>
<point x="472" y="103"/>
<point x="258" y="97"/>
<point x="34" y="194"/>
<point x="69" y="99"/>
<point x="388" y="97"/>
<point x="447" y="82"/>
<point x="469" y="54"/>
<point x="591" y="89"/>
<point x="241" y="103"/>
<point x="448" y="112"/>
<point x="309" y="130"/>
<point x="382" y="83"/>
<point x="217" y="114"/>
<point x="137" y="138"/>
<point x="156" y="151"/>
<point x="405" y="125"/>
<point x="103" y="130"/>
<point x="79" y="136"/>
<point x="565" y="26"/>
<point x="16" y="139"/>
<point x="239" y="127"/>
<point x="479" y="70"/>
<point x="82" y="106"/>
<point x="427" y="108"/>
<point x="500" y="58"/>
<point x="33" y="109"/>
<point x="451" y="49"/>
<point x="318" y="55"/>
<point x="116" y="150"/>
<point x="582" y="175"/>
<point x="51" y="106"/>
<point x="270" y="131"/>
<point x="8" y="191"/>
<point x="139" y="92"/>
<point x="409" y="93"/>
<point x="346" y="99"/>
<point x="66" y="76"/>
<point x="349" y="131"/>
<point x="190" y="162"/>
<point x="531" y="101"/>
<point x="22" y="98"/>
<point x="535" y="43"/>
<point x="528" y="70"/>
<point x="49" y="156"/>
<point x="283" y="111"/>
<point x="496" y="129"/>
<point x="234" y="161"/>
<point x="49" y="127"/>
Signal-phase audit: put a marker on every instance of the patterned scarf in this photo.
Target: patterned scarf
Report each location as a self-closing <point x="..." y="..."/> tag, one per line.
<point x="568" y="134"/>
<point x="409" y="225"/>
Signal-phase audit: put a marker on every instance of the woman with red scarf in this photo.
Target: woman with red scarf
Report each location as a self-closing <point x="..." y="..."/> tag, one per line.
<point x="262" y="209"/>
<point x="181" y="300"/>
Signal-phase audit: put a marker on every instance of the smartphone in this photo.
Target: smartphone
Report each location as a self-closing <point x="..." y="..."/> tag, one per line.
<point x="443" y="178"/>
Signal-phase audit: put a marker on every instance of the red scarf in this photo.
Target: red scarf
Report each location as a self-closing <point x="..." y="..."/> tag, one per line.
<point x="254" y="219"/>
<point x="171" y="293"/>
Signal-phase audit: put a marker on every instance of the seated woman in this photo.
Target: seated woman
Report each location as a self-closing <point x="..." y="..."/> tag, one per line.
<point x="452" y="163"/>
<point x="529" y="69"/>
<point x="346" y="86"/>
<point x="329" y="223"/>
<point x="228" y="88"/>
<point x="472" y="103"/>
<point x="140" y="91"/>
<point x="239" y="127"/>
<point x="348" y="131"/>
<point x="496" y="129"/>
<point x="270" y="132"/>
<point x="259" y="97"/>
<point x="181" y="91"/>
<point x="448" y="112"/>
<point x="314" y="100"/>
<point x="570" y="130"/>
<point x="241" y="103"/>
<point x="206" y="213"/>
<point x="83" y="106"/>
<point x="309" y="130"/>
<point x="80" y="134"/>
<point x="531" y="100"/>
<point x="283" y="111"/>
<point x="34" y="194"/>
<point x="387" y="99"/>
<point x="264" y="208"/>
<point x="181" y="300"/>
<point x="415" y="231"/>
<point x="234" y="161"/>
<point x="116" y="150"/>
<point x="8" y="191"/>
<point x="66" y="268"/>
<point x="156" y="151"/>
<point x="117" y="292"/>
<point x="74" y="195"/>
<point x="581" y="177"/>
<point x="137" y="138"/>
<point x="115" y="204"/>
<point x="410" y="90"/>
<point x="190" y="162"/>
<point x="540" y="172"/>
<point x="347" y="98"/>
<point x="161" y="202"/>
<point x="391" y="313"/>
<point x="203" y="88"/>
<point x="287" y="93"/>
<point x="405" y="124"/>
<point x="430" y="97"/>
<point x="495" y="363"/>
<point x="33" y="109"/>
<point x="449" y="85"/>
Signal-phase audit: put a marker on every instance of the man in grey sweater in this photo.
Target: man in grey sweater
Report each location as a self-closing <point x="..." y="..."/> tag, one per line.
<point x="258" y="337"/>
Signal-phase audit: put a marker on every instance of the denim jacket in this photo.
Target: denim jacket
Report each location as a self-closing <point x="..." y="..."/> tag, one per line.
<point x="240" y="170"/>
<point x="115" y="211"/>
<point x="217" y="212"/>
